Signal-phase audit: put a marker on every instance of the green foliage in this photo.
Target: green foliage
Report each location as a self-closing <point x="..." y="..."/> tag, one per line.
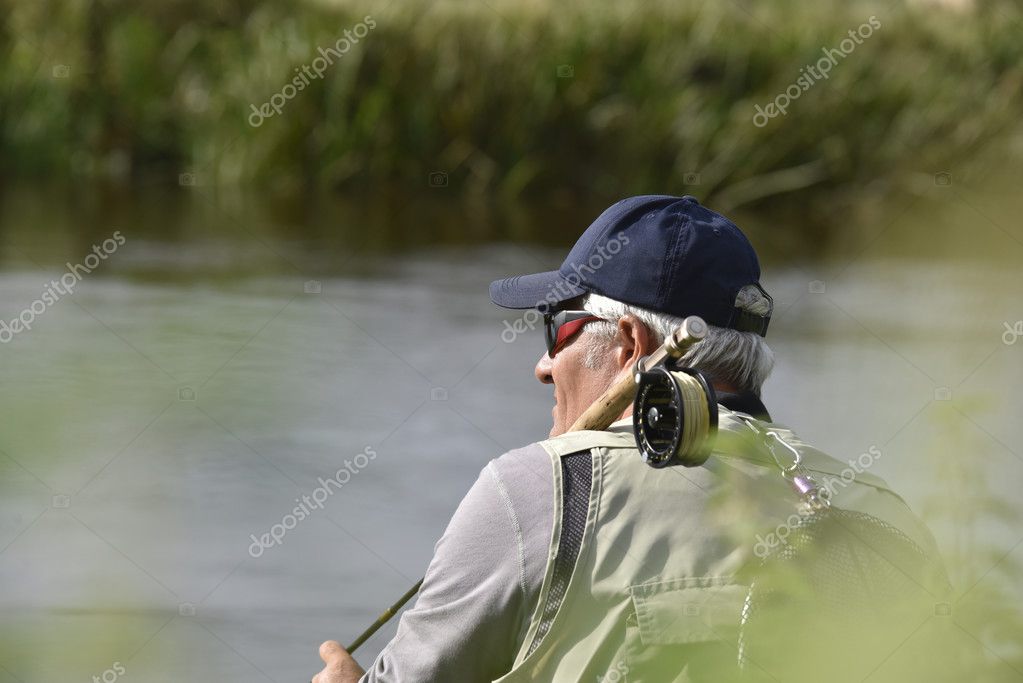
<point x="979" y="638"/>
<point x="542" y="98"/>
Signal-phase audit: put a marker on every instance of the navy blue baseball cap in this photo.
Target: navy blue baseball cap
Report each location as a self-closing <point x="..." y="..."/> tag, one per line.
<point x="661" y="253"/>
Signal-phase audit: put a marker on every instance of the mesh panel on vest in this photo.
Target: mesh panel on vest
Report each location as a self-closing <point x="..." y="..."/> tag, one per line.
<point x="577" y="473"/>
<point x="840" y="581"/>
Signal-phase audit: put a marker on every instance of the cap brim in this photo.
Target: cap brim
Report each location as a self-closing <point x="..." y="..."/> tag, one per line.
<point x="538" y="290"/>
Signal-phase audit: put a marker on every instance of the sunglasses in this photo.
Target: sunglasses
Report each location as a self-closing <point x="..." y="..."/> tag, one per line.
<point x="560" y="327"/>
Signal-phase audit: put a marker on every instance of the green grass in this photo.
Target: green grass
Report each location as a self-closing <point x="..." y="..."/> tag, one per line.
<point x="659" y="91"/>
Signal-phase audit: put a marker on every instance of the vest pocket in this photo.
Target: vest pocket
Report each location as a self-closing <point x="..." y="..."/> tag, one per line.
<point x="684" y="631"/>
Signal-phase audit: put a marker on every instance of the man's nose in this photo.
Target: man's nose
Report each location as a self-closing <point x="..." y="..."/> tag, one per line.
<point x="543" y="369"/>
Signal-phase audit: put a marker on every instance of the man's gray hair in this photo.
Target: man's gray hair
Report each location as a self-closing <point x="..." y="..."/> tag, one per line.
<point x="742" y="359"/>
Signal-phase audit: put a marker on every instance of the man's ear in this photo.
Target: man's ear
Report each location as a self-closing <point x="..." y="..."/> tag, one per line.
<point x="634" y="341"/>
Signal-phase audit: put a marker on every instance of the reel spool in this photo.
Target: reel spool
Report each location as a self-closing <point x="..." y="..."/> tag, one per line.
<point x="674" y="417"/>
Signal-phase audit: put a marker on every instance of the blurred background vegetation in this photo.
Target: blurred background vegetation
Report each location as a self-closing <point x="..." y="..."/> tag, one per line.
<point x="572" y="101"/>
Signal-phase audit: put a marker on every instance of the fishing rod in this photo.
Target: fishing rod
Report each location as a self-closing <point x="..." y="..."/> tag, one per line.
<point x="674" y="417"/>
<point x="385" y="617"/>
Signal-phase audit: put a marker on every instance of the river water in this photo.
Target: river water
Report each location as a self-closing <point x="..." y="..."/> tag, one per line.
<point x="223" y="362"/>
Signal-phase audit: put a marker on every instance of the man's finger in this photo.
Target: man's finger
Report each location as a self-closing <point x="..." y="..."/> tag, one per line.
<point x="331" y="650"/>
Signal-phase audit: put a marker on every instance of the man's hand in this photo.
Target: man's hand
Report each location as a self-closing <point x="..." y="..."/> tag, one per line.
<point x="340" y="666"/>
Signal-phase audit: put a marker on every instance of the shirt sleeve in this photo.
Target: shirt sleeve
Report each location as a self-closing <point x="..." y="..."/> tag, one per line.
<point x="482" y="583"/>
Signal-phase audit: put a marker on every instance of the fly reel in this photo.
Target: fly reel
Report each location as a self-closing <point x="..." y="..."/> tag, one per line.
<point x="674" y="417"/>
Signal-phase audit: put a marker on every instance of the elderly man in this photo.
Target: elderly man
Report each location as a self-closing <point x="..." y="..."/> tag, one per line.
<point x="570" y="559"/>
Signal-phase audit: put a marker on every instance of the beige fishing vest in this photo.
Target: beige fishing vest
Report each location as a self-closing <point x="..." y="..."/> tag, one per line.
<point x="653" y="596"/>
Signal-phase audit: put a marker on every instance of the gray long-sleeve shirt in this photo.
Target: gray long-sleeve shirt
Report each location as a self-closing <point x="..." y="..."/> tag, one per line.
<point x="483" y="582"/>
